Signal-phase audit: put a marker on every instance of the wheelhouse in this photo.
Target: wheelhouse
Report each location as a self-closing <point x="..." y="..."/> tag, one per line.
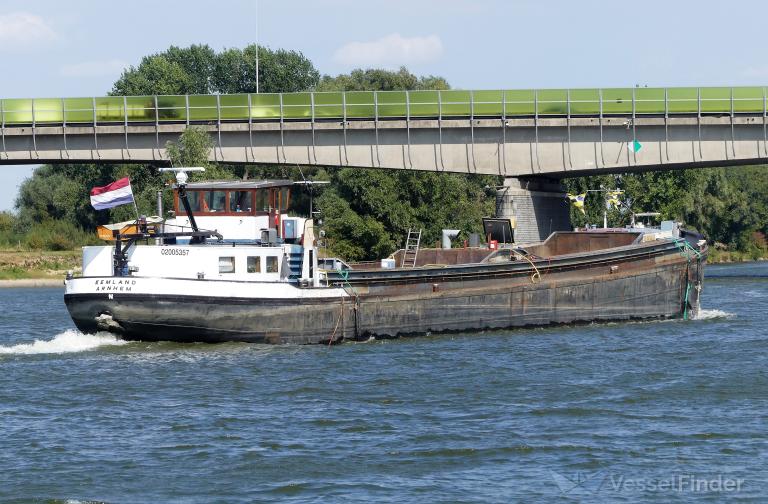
<point x="236" y="198"/>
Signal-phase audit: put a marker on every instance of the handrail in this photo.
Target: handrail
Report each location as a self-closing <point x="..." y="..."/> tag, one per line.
<point x="383" y="105"/>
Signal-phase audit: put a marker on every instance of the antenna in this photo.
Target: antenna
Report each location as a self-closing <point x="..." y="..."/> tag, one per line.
<point x="257" y="46"/>
<point x="181" y="173"/>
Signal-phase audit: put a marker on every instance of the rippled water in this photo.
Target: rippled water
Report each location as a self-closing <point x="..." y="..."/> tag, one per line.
<point x="600" y="413"/>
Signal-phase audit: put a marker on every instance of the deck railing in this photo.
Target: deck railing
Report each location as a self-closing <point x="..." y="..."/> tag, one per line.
<point x="382" y="105"/>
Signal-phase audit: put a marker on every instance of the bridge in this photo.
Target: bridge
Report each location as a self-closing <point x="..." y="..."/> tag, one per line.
<point x="531" y="137"/>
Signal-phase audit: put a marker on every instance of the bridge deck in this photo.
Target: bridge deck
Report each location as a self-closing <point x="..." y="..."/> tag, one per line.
<point x="367" y="105"/>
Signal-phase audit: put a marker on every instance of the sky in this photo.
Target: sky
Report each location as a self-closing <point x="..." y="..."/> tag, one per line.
<point x="50" y="48"/>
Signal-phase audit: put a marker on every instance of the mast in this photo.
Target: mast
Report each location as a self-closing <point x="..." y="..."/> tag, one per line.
<point x="181" y="183"/>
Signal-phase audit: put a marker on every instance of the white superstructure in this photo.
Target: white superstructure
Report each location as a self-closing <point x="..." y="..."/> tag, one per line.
<point x="259" y="241"/>
<point x="240" y="210"/>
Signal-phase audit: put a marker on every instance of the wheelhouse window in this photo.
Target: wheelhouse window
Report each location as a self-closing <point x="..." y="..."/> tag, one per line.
<point x="262" y="200"/>
<point x="194" y="198"/>
<point x="240" y="201"/>
<point x="233" y="202"/>
<point x="216" y="201"/>
<point x="254" y="264"/>
<point x="271" y="264"/>
<point x="226" y="264"/>
<point x="202" y="202"/>
<point x="285" y="198"/>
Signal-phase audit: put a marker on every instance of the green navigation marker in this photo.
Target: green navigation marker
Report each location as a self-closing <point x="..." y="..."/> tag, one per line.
<point x="635" y="146"/>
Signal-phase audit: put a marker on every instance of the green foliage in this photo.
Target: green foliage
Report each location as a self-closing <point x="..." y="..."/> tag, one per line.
<point x="380" y="80"/>
<point x="9" y="230"/>
<point x="7" y="222"/>
<point x="192" y="149"/>
<point x="57" y="235"/>
<point x="155" y="75"/>
<point x="198" y="69"/>
<point x="61" y="193"/>
<point x="280" y="71"/>
<point x="350" y="235"/>
<point x="198" y="62"/>
<point x="367" y="213"/>
<point x="12" y="273"/>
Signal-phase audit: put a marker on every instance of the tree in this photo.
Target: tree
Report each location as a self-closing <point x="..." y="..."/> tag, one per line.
<point x="155" y="75"/>
<point x="198" y="69"/>
<point x="192" y="149"/>
<point x="374" y="79"/>
<point x="198" y="62"/>
<point x="280" y="71"/>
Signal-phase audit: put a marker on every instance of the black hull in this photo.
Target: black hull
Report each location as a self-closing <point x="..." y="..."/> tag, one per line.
<point x="652" y="285"/>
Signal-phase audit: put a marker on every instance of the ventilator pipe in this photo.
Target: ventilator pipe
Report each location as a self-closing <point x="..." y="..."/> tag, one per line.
<point x="448" y="235"/>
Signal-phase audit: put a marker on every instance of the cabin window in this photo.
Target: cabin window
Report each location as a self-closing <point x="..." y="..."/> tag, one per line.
<point x="194" y="200"/>
<point x="217" y="201"/>
<point x="240" y="201"/>
<point x="271" y="264"/>
<point x="243" y="201"/>
<point x="254" y="264"/>
<point x="207" y="201"/>
<point x="226" y="264"/>
<point x="262" y="201"/>
<point x="285" y="198"/>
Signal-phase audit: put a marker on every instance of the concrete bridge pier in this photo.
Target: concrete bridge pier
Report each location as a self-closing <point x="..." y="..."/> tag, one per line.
<point x="537" y="205"/>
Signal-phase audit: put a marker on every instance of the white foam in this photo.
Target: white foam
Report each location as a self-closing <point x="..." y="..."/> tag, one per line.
<point x="66" y="342"/>
<point x="713" y="314"/>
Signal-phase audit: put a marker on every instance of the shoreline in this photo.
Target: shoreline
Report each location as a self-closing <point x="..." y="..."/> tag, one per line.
<point x="32" y="282"/>
<point x="727" y="260"/>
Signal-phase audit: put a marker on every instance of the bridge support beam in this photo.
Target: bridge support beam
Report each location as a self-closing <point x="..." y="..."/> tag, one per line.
<point x="538" y="206"/>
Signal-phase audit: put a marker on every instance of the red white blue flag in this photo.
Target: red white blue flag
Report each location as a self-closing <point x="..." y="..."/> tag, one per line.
<point x="115" y="194"/>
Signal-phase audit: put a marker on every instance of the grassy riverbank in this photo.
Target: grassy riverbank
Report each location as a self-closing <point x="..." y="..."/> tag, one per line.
<point x="735" y="256"/>
<point x="38" y="264"/>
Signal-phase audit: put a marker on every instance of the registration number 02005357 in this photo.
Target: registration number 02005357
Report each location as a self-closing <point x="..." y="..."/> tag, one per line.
<point x="174" y="252"/>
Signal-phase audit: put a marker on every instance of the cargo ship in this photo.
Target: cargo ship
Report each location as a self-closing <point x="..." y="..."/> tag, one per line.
<point x="233" y="265"/>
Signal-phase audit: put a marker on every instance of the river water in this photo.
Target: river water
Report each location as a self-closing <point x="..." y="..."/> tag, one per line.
<point x="638" y="412"/>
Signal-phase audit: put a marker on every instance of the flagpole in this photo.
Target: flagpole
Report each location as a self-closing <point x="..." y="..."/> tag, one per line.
<point x="135" y="207"/>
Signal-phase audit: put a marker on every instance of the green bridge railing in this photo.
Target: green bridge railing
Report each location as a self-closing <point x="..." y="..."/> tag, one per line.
<point x="356" y="105"/>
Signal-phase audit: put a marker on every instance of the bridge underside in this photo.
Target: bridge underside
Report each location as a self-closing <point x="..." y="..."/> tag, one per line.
<point x="520" y="147"/>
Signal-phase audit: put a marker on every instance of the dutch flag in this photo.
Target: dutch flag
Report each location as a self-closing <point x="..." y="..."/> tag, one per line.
<point x="115" y="194"/>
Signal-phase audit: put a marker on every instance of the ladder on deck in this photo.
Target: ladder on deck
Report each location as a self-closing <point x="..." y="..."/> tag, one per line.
<point x="411" y="249"/>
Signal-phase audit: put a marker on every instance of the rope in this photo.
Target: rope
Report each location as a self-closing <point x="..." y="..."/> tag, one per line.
<point x="338" y="320"/>
<point x="536" y="276"/>
<point x="344" y="274"/>
<point x="687" y="251"/>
